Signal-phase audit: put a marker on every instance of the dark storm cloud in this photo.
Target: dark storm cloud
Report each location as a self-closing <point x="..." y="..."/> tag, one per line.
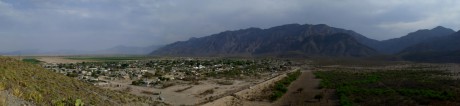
<point x="100" y="24"/>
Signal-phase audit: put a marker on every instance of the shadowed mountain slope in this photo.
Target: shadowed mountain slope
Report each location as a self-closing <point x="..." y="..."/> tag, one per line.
<point x="280" y="40"/>
<point x="395" y="45"/>
<point x="443" y="49"/>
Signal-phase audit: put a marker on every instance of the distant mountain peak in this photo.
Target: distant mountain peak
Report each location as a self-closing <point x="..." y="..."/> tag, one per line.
<point x="322" y="25"/>
<point x="285" y="26"/>
<point x="440" y="27"/>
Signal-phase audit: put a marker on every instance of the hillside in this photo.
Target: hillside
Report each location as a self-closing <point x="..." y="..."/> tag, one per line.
<point x="395" y="45"/>
<point x="38" y="86"/>
<point x="291" y="39"/>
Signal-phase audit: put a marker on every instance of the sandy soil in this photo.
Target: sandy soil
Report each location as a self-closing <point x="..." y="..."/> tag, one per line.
<point x="190" y="96"/>
<point x="242" y="97"/>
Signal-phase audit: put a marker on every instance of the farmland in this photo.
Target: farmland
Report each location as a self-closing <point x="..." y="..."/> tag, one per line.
<point x="108" y="58"/>
<point x="409" y="84"/>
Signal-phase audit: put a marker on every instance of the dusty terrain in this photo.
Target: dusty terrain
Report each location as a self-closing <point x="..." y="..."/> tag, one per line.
<point x="293" y="97"/>
<point x="191" y="94"/>
<point x="243" y="97"/>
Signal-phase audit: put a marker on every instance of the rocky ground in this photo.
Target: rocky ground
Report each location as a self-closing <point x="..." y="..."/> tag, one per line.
<point x="8" y="99"/>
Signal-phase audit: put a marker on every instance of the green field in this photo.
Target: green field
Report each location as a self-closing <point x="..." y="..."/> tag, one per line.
<point x="110" y="58"/>
<point x="32" y="60"/>
<point x="417" y="85"/>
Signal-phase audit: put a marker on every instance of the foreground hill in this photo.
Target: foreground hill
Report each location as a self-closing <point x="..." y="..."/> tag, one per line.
<point x="395" y="45"/>
<point x="32" y="83"/>
<point x="291" y="39"/>
<point x="443" y="49"/>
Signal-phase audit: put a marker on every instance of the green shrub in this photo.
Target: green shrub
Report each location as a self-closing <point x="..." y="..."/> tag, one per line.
<point x="276" y="95"/>
<point x="78" y="102"/>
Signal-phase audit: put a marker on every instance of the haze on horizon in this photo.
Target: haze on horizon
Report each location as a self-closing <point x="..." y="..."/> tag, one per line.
<point x="101" y="24"/>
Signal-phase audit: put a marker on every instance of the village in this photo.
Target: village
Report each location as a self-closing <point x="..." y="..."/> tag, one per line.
<point x="191" y="80"/>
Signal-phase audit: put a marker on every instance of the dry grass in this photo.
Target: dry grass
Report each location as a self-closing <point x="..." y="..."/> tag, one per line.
<point x="17" y="92"/>
<point x="2" y="101"/>
<point x="207" y="92"/>
<point x="167" y="85"/>
<point x="2" y="86"/>
<point x="224" y="82"/>
<point x="149" y="92"/>
<point x="33" y="83"/>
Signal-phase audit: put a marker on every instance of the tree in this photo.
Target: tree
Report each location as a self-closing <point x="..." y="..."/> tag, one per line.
<point x="148" y="75"/>
<point x="299" y="90"/>
<point x="124" y="66"/>
<point x="319" y="97"/>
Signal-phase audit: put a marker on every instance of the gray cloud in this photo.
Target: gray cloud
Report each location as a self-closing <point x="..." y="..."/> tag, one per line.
<point x="100" y="24"/>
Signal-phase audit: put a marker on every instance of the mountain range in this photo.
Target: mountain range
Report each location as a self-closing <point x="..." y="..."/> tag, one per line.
<point x="396" y="45"/>
<point x="316" y="40"/>
<point x="438" y="44"/>
<point x="310" y="40"/>
<point x="441" y="49"/>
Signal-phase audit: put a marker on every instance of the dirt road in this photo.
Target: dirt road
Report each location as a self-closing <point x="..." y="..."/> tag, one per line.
<point x="306" y="97"/>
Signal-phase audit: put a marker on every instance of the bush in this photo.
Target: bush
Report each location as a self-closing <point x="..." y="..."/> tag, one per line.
<point x="225" y="82"/>
<point x="148" y="75"/>
<point x="78" y="102"/>
<point x="207" y="92"/>
<point x="72" y="74"/>
<point x="138" y="82"/>
<point x="319" y="97"/>
<point x="276" y="95"/>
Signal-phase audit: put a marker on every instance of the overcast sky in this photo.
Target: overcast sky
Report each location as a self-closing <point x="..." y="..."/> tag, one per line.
<point x="101" y="24"/>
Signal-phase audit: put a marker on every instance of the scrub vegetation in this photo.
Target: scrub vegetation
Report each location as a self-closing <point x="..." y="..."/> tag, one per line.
<point x="413" y="85"/>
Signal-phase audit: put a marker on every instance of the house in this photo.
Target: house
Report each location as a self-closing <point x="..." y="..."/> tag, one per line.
<point x="144" y="71"/>
<point x="170" y="77"/>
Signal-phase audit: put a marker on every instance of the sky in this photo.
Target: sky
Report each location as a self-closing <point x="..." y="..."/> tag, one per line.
<point x="101" y="24"/>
